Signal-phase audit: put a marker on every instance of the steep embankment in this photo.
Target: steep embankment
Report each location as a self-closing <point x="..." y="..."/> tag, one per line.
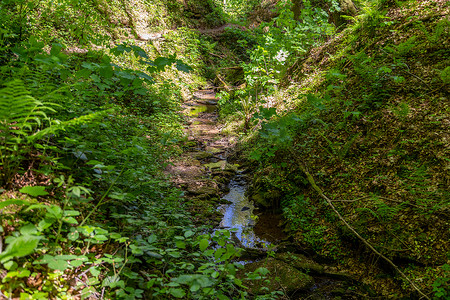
<point x="367" y="114"/>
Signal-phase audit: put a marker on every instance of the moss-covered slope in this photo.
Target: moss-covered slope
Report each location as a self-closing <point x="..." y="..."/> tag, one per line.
<point x="373" y="131"/>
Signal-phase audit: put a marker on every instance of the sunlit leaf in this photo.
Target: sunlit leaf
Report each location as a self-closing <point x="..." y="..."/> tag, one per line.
<point x="34" y="190"/>
<point x="204" y="243"/>
<point x="19" y="247"/>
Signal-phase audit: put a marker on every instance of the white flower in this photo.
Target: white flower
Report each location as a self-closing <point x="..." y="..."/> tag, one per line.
<point x="281" y="56"/>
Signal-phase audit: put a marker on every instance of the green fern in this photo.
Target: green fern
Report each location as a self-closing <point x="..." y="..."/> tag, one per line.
<point x="340" y="150"/>
<point x="20" y="117"/>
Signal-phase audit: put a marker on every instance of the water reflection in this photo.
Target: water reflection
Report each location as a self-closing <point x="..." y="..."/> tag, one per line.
<point x="239" y="215"/>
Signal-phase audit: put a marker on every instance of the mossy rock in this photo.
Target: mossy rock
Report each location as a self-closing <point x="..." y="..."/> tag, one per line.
<point x="300" y="262"/>
<point x="221" y="179"/>
<point x="260" y="200"/>
<point x="228" y="174"/>
<point x="217" y="165"/>
<point x="281" y="276"/>
<point x="202" y="155"/>
<point x="231" y="167"/>
<point x="266" y="200"/>
<point x="214" y="150"/>
<point x="203" y="192"/>
<point x="190" y="144"/>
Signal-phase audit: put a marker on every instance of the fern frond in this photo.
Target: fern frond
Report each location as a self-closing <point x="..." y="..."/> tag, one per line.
<point x="19" y="111"/>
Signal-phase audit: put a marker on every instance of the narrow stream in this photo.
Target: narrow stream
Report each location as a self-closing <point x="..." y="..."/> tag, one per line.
<point x="254" y="230"/>
<point x="238" y="215"/>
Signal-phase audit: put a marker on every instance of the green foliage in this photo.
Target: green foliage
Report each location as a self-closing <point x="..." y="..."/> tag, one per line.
<point x="277" y="44"/>
<point x="340" y="150"/>
<point x="445" y="75"/>
<point x="440" y="285"/>
<point x="21" y="115"/>
<point x="107" y="220"/>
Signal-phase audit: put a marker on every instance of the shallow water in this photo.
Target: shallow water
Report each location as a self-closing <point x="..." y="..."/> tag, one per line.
<point x="197" y="109"/>
<point x="239" y="217"/>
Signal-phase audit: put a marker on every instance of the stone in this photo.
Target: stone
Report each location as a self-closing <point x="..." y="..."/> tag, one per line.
<point x="300" y="262"/>
<point x="202" y="155"/>
<point x="217" y="165"/>
<point x="214" y="150"/>
<point x="260" y="200"/>
<point x="191" y="144"/>
<point x="281" y="276"/>
<point x="206" y="190"/>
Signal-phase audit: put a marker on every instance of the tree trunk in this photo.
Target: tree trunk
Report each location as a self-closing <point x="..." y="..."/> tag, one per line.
<point x="297" y="9"/>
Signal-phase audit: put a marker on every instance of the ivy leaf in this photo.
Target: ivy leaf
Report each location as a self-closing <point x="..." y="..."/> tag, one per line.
<point x="34" y="191"/>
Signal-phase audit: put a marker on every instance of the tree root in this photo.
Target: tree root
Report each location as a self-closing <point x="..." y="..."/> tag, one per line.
<point x="329" y="202"/>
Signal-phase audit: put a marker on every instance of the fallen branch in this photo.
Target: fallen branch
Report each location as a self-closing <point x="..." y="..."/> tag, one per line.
<point x="226" y="86"/>
<point x="329" y="201"/>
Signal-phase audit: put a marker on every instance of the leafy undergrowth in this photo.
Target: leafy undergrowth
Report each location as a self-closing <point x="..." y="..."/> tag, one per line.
<point x="368" y="116"/>
<point x="85" y="135"/>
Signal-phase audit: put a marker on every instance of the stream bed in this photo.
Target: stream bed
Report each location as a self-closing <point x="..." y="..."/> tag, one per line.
<point x="239" y="217"/>
<point x="257" y="232"/>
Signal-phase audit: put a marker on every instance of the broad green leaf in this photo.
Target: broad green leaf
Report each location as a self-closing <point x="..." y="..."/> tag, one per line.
<point x="70" y="220"/>
<point x="195" y="287"/>
<point x="54" y="211"/>
<point x="19" y="247"/>
<point x="222" y="297"/>
<point x="10" y="265"/>
<point x="175" y="254"/>
<point x="100" y="237"/>
<point x="71" y="213"/>
<point x="58" y="264"/>
<point x="219" y="252"/>
<point x="28" y="229"/>
<point x="185" y="279"/>
<point x="180" y="245"/>
<point x="76" y="263"/>
<point x="204" y="281"/>
<point x="13" y="202"/>
<point x="177" y="293"/>
<point x="34" y="190"/>
<point x="21" y="273"/>
<point x="183" y="67"/>
<point x="151" y="239"/>
<point x="203" y="244"/>
<point x="46" y="223"/>
<point x="153" y="254"/>
<point x="94" y="271"/>
<point x="106" y="71"/>
<point x="83" y="73"/>
<point x="115" y="235"/>
<point x="188" y="233"/>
